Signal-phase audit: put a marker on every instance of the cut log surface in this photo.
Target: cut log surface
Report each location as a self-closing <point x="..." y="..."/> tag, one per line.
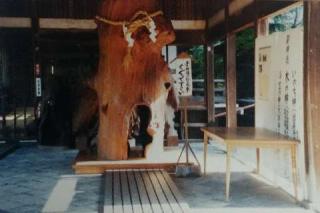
<point x="141" y="191"/>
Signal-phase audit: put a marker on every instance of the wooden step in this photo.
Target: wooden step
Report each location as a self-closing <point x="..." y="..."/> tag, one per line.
<point x="87" y="163"/>
<point x="141" y="190"/>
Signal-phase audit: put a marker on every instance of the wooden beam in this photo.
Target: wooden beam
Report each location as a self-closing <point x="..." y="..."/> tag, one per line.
<point x="15" y="22"/>
<point x="216" y="19"/>
<point x="245" y="17"/>
<point x="61" y="23"/>
<point x="189" y="24"/>
<point x="85" y="24"/>
<point x="312" y="94"/>
<point x="235" y="8"/>
<point x="89" y="24"/>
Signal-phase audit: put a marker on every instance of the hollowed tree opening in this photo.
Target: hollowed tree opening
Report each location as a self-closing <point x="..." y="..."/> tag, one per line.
<point x="138" y="136"/>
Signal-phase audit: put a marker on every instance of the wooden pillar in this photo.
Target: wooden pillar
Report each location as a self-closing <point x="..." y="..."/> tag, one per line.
<point x="230" y="70"/>
<point x="210" y="84"/>
<point x="36" y="56"/>
<point x="312" y="93"/>
<point x="231" y="87"/>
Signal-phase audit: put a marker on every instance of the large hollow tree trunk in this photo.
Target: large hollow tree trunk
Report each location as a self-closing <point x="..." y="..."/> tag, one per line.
<point x="119" y="88"/>
<point x="114" y="132"/>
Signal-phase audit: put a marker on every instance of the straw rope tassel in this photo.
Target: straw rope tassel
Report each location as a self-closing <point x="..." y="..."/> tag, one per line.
<point x="130" y="27"/>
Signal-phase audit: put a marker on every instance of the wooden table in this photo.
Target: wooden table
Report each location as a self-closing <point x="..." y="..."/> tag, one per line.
<point x="250" y="137"/>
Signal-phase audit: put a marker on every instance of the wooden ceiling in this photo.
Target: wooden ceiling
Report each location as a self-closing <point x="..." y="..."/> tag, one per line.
<point x="217" y="19"/>
<point x="86" y="9"/>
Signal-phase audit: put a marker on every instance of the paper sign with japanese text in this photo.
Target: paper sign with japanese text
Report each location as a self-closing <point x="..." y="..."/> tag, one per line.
<point x="182" y="75"/>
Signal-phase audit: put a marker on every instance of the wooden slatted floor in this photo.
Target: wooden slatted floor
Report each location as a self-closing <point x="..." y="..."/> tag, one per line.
<point x="141" y="191"/>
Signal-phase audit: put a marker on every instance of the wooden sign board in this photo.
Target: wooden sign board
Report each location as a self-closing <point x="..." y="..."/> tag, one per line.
<point x="181" y="71"/>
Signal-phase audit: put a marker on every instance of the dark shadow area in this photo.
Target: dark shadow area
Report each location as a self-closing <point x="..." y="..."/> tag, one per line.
<point x="138" y="134"/>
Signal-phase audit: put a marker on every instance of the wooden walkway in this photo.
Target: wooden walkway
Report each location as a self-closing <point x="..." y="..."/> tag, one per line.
<point x="141" y="191"/>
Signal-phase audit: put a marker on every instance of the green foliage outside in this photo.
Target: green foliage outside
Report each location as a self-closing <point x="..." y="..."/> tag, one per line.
<point x="197" y="54"/>
<point x="286" y="21"/>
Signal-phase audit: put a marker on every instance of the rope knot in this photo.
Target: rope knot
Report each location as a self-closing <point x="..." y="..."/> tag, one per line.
<point x="133" y="25"/>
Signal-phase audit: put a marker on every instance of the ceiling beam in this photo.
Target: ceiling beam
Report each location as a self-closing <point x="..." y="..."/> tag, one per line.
<point x="189" y="24"/>
<point x="15" y="22"/>
<point x="85" y="24"/>
<point x="235" y="7"/>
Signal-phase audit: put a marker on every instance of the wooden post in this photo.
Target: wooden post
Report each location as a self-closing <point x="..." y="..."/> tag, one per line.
<point x="231" y="91"/>
<point x="210" y="84"/>
<point x="230" y="69"/>
<point x="312" y="93"/>
<point x="36" y="53"/>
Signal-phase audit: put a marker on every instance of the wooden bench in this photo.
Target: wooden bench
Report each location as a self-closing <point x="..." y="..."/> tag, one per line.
<point x="141" y="191"/>
<point x="250" y="137"/>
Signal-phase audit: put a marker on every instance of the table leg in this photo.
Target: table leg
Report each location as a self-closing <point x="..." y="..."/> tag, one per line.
<point x="258" y="160"/>
<point x="294" y="170"/>
<point x="205" y="151"/>
<point x="228" y="167"/>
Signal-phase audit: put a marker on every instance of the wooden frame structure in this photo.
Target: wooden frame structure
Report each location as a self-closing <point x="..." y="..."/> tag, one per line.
<point x="208" y="21"/>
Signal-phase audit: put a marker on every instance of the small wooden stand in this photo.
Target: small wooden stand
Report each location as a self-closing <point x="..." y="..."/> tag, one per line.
<point x="186" y="147"/>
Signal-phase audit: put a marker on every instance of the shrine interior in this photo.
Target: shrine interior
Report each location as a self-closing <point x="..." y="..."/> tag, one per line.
<point x="216" y="98"/>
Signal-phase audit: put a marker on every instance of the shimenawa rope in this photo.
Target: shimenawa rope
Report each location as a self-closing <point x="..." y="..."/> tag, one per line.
<point x="131" y="26"/>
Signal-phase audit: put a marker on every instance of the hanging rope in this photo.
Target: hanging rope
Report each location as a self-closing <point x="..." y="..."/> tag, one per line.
<point x="133" y="25"/>
<point x="132" y="20"/>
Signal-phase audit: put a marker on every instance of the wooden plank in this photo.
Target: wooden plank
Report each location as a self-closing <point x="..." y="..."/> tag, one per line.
<point x="108" y="192"/>
<point x="159" y="192"/>
<point x="231" y="91"/>
<point x="155" y="203"/>
<point x="145" y="201"/>
<point x="175" y="192"/>
<point x="126" y="196"/>
<point x="167" y="191"/>
<point x="312" y="93"/>
<point x="134" y="192"/>
<point x="117" y="194"/>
